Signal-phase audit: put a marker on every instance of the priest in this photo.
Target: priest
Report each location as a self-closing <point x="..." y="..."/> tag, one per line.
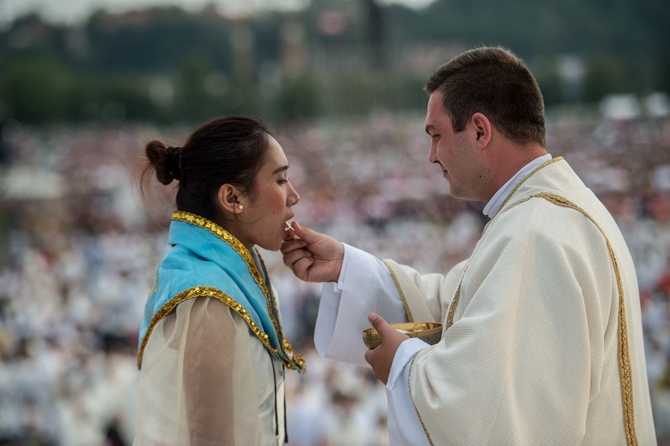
<point x="542" y="340"/>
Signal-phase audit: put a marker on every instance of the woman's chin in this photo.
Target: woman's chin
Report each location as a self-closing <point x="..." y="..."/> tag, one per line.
<point x="274" y="246"/>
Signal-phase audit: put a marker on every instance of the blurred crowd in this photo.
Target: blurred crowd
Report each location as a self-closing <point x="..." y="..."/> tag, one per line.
<point x="79" y="246"/>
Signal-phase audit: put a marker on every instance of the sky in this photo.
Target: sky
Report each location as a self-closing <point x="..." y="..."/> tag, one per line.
<point x="73" y="11"/>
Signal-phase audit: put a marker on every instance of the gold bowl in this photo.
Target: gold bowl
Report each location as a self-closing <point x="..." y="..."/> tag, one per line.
<point x="430" y="332"/>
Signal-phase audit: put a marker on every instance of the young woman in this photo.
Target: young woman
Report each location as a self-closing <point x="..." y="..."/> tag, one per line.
<point x="212" y="352"/>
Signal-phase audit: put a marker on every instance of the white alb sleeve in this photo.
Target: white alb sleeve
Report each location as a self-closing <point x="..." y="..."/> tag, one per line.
<point x="365" y="286"/>
<point x="404" y="426"/>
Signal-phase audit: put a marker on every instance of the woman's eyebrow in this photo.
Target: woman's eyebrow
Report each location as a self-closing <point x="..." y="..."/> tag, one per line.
<point x="280" y="169"/>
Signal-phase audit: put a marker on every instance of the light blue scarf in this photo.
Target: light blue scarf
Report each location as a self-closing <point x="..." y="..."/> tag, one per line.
<point x="206" y="260"/>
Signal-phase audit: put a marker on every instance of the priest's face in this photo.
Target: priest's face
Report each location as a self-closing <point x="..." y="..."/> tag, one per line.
<point x="455" y="153"/>
<point x="264" y="217"/>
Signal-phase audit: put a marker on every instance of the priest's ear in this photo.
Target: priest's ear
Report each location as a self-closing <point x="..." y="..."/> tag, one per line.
<point x="481" y="128"/>
<point x="229" y="198"/>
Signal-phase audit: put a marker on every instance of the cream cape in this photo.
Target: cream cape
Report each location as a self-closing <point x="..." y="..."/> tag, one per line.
<point x="533" y="356"/>
<point x="211" y="350"/>
<point x="206" y="260"/>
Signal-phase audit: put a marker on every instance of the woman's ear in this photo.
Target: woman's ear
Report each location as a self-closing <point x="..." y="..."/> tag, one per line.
<point x="228" y="198"/>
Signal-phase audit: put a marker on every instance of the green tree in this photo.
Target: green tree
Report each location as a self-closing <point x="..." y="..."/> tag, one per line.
<point x="37" y="89"/>
<point x="606" y="74"/>
<point x="125" y="97"/>
<point x="195" y="99"/>
<point x="300" y="98"/>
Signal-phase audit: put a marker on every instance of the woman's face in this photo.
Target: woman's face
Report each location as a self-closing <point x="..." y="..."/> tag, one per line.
<point x="268" y="208"/>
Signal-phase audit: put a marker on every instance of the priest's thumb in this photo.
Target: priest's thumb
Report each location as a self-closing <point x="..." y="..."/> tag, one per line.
<point x="378" y="322"/>
<point x="305" y="234"/>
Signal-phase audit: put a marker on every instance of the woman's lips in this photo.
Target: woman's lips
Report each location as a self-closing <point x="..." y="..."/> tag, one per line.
<point x="288" y="231"/>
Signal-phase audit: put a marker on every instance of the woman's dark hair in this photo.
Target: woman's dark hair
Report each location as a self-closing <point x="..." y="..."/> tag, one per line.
<point x="225" y="150"/>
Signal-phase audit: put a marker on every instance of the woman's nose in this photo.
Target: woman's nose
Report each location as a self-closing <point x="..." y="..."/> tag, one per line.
<point x="293" y="198"/>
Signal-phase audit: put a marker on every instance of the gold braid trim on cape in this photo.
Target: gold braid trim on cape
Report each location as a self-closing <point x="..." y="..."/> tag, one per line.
<point x="622" y="329"/>
<point x="205" y="291"/>
<point x="408" y="311"/>
<point x="623" y="352"/>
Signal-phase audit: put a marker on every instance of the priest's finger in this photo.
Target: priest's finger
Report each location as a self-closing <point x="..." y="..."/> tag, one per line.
<point x="305" y="234"/>
<point x="299" y="261"/>
<point x="292" y="244"/>
<point x="382" y="327"/>
<point x="380" y="359"/>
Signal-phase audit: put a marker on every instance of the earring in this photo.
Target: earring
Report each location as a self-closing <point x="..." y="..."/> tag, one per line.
<point x="240" y="206"/>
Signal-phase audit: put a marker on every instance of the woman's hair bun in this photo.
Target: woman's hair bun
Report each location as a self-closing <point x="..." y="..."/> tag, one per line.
<point x="166" y="161"/>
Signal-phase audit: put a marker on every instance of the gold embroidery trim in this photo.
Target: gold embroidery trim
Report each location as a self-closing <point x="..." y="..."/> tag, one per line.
<point x="205" y="291"/>
<point x="400" y="291"/>
<point x="622" y="330"/>
<point x="623" y="352"/>
<point x="234" y="243"/>
<point x="454" y="303"/>
<point x="273" y="309"/>
<point x="409" y="382"/>
<point x="541" y="166"/>
<point x="227" y="237"/>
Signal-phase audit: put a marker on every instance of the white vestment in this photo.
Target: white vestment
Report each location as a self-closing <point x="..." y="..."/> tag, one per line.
<point x="236" y="387"/>
<point x="533" y="353"/>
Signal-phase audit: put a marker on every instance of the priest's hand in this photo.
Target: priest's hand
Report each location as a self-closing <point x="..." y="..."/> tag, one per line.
<point x="312" y="256"/>
<point x="381" y="357"/>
